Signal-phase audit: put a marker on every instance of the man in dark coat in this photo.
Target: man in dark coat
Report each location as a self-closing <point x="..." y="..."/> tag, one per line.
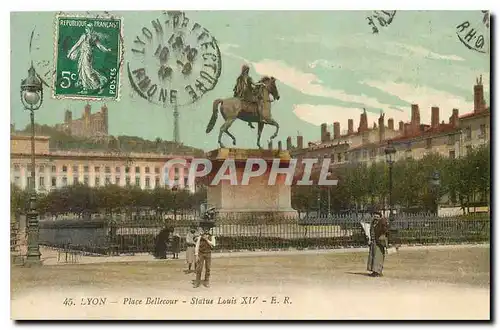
<point x="378" y="244"/>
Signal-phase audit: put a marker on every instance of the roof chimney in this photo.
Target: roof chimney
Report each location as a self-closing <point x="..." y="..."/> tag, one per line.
<point x="300" y="142"/>
<point x="479" y="103"/>
<point x="415" y="115"/>
<point x="406" y="129"/>
<point x="434" y="117"/>
<point x="289" y="143"/>
<point x="390" y="124"/>
<point x="401" y="126"/>
<point x="454" y="118"/>
<point x="328" y="137"/>
<point x="336" y="130"/>
<point x="323" y="132"/>
<point x="350" y="126"/>
<point x="280" y="147"/>
<point x="363" y="122"/>
<point x="381" y="127"/>
<point x="270" y="145"/>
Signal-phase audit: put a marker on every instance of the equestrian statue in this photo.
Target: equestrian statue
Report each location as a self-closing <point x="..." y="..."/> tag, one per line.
<point x="251" y="102"/>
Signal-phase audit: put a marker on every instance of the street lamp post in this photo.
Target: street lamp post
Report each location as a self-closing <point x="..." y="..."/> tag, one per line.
<point x="435" y="183"/>
<point x="32" y="98"/>
<point x="390" y="152"/>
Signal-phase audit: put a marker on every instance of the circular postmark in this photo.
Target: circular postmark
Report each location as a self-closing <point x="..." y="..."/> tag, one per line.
<point x="474" y="34"/>
<point x="173" y="61"/>
<point x="380" y="18"/>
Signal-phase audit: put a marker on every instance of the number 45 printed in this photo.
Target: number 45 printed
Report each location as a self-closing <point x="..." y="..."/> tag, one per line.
<point x="88" y="54"/>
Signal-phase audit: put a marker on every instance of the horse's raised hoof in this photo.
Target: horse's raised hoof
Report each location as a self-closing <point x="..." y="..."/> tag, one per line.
<point x="234" y="142"/>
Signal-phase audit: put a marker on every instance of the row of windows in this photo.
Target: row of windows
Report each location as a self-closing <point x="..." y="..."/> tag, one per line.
<point x="372" y="153"/>
<point x="97" y="181"/>
<point x="97" y="169"/>
<point x="452" y="139"/>
<point x="482" y="132"/>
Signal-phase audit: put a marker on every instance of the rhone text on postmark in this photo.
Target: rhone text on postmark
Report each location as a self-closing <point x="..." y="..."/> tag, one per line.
<point x="174" y="61"/>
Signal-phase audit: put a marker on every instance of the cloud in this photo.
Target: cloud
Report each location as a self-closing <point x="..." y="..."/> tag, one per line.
<point x="360" y="41"/>
<point x="399" y="49"/>
<point x="425" y="97"/>
<point x="306" y="83"/>
<point x="310" y="84"/>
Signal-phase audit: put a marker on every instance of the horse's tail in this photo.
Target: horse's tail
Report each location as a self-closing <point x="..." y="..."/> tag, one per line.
<point x="213" y="119"/>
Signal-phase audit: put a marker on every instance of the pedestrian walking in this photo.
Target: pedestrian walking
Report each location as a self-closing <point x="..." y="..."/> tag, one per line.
<point x="203" y="255"/>
<point x="378" y="244"/>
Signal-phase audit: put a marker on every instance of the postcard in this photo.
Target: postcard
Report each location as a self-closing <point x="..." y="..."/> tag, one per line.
<point x="250" y="165"/>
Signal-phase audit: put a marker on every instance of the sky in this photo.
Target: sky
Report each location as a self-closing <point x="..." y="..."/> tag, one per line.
<point x="328" y="65"/>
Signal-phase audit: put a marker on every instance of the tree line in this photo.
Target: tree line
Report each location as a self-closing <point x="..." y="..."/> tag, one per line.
<point x="463" y="182"/>
<point x="83" y="201"/>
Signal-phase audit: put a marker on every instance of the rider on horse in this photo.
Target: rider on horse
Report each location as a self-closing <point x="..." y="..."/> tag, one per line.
<point x="246" y="90"/>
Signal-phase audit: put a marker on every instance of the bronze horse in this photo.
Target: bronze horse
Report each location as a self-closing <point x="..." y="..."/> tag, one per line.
<point x="234" y="108"/>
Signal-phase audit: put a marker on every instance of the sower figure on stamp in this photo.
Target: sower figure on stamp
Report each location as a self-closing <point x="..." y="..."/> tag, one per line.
<point x="378" y="244"/>
<point x="89" y="78"/>
<point x="191" y="244"/>
<point x="203" y="254"/>
<point x="245" y="89"/>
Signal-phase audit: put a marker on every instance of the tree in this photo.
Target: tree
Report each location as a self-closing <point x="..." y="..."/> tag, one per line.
<point x="407" y="183"/>
<point x="18" y="200"/>
<point x="303" y="198"/>
<point x="110" y="198"/>
<point x="377" y="184"/>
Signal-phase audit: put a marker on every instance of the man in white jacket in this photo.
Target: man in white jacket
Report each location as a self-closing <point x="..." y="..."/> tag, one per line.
<point x="203" y="256"/>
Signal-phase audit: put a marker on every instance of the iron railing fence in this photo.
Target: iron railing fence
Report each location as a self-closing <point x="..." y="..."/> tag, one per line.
<point x="138" y="234"/>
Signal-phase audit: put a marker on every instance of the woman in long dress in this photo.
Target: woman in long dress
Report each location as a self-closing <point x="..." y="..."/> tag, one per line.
<point x="89" y="79"/>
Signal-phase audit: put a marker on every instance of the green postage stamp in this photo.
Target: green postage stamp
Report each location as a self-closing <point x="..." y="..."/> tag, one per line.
<point x="88" y="55"/>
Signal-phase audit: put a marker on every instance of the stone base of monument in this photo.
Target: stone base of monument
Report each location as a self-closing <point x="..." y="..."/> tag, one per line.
<point x="258" y="201"/>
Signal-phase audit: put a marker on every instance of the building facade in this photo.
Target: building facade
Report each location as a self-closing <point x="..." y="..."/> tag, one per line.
<point x="89" y="125"/>
<point x="413" y="139"/>
<point x="56" y="169"/>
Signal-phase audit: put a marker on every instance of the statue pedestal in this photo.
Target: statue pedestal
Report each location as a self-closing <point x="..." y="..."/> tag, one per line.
<point x="258" y="199"/>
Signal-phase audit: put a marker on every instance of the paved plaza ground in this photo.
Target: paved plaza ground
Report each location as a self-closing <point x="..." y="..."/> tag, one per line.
<point x="440" y="282"/>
